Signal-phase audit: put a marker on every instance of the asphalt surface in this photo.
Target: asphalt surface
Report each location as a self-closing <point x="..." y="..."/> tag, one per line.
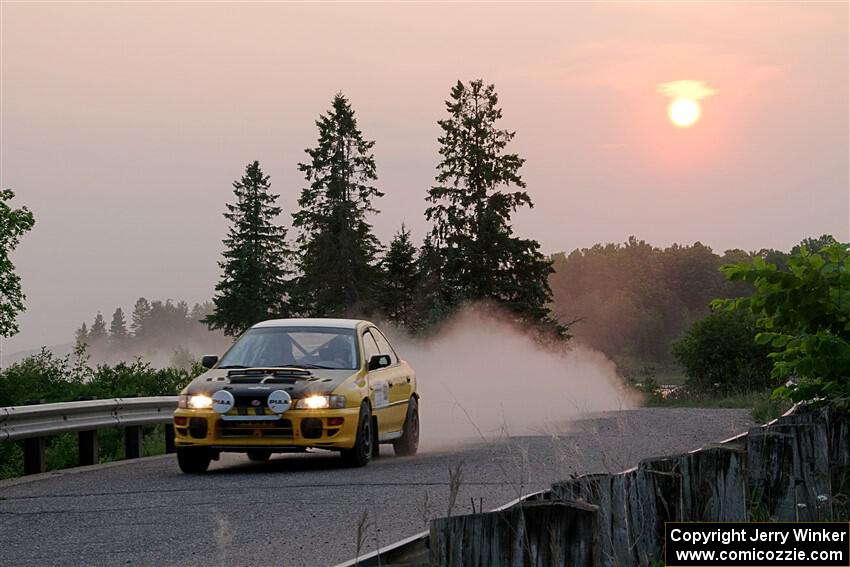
<point x="304" y="509"/>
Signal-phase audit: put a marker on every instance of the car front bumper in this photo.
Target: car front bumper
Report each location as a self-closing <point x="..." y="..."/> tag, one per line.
<point x="327" y="428"/>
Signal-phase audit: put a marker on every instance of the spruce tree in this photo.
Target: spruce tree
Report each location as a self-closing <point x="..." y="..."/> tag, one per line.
<point x="400" y="273"/>
<point x="98" y="328"/>
<point x="479" y="258"/>
<point x="338" y="272"/>
<point x="253" y="284"/>
<point x="140" y="317"/>
<point x="118" y="332"/>
<point x="81" y="337"/>
<point x="118" y="326"/>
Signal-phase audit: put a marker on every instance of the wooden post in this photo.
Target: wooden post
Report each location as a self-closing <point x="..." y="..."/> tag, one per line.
<point x="87" y="447"/>
<point x="714" y="485"/>
<point x="837" y="427"/>
<point x="133" y="442"/>
<point x="546" y="534"/>
<point x="708" y="485"/>
<point x="790" y="472"/>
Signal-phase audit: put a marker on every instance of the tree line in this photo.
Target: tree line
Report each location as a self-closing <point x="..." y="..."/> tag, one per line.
<point x="154" y="328"/>
<point x="337" y="267"/>
<point x="631" y="301"/>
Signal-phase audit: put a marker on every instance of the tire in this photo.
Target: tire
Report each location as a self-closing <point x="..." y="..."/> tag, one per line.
<point x="408" y="443"/>
<point x="361" y="453"/>
<point x="193" y="460"/>
<point x="259" y="455"/>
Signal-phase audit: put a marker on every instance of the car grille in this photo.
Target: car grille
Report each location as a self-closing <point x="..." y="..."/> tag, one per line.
<point x="281" y="428"/>
<point x="256" y="401"/>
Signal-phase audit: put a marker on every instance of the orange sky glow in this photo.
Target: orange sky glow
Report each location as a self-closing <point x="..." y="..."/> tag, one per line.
<point x="124" y="124"/>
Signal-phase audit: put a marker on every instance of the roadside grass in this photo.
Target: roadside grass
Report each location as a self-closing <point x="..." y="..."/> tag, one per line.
<point x="62" y="450"/>
<point x="762" y="406"/>
<point x="648" y="380"/>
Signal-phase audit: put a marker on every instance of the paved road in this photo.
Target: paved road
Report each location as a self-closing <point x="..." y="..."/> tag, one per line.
<point x="304" y="509"/>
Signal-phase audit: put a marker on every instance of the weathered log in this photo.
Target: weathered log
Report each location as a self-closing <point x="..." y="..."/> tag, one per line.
<point x="789" y="471"/>
<point x="527" y="535"/>
<point x="714" y="485"/>
<point x="797" y="469"/>
<point x="707" y="485"/>
<point x="596" y="490"/>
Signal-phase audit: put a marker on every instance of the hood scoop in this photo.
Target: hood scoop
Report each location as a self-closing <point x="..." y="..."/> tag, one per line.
<point x="268" y="375"/>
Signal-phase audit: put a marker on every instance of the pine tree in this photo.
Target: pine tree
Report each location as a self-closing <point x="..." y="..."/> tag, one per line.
<point x="118" y="326"/>
<point x="253" y="284"/>
<point x="118" y="333"/>
<point x="81" y="337"/>
<point x="433" y="302"/>
<point x="200" y="311"/>
<point x="471" y="206"/>
<point x="140" y="317"/>
<point x="400" y="273"/>
<point x="337" y="250"/>
<point x="98" y="329"/>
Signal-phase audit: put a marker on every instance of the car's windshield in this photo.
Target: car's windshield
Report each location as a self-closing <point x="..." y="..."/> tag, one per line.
<point x="301" y="347"/>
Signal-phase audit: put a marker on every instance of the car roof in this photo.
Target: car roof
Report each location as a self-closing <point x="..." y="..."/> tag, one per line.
<point x="307" y="322"/>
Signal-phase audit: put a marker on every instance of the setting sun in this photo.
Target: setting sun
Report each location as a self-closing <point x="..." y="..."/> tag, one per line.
<point x="685" y="109"/>
<point x="684" y="112"/>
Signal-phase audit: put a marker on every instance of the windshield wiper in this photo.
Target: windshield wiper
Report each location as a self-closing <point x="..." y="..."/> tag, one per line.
<point x="233" y="366"/>
<point x="307" y="366"/>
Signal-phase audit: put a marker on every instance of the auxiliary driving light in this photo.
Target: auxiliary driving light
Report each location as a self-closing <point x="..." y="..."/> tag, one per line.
<point x="222" y="401"/>
<point x="279" y="401"/>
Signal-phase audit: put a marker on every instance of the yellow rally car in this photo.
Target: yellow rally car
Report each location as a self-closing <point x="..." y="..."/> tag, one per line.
<point x="290" y="384"/>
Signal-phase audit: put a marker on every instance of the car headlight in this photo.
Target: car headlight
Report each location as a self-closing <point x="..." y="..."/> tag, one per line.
<point x="320" y="402"/>
<point x="200" y="401"/>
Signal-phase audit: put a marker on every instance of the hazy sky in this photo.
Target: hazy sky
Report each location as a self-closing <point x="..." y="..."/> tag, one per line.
<point x="124" y="124"/>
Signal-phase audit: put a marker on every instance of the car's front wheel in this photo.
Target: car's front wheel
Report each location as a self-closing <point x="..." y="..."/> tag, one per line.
<point x="408" y="443"/>
<point x="361" y="453"/>
<point x="193" y="460"/>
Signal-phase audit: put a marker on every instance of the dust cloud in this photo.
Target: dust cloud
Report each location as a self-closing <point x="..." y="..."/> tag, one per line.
<point x="481" y="377"/>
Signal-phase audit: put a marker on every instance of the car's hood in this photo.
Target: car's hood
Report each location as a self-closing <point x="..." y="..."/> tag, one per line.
<point x="297" y="383"/>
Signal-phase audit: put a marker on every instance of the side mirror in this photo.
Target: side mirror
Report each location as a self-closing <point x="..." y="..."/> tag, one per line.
<point x="208" y="360"/>
<point x="379" y="361"/>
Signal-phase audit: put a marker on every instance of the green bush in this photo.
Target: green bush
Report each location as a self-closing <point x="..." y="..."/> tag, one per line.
<point x="803" y="312"/>
<point x="44" y="377"/>
<point x="48" y="378"/>
<point x="719" y="355"/>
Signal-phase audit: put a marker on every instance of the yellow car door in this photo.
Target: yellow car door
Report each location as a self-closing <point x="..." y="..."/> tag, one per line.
<point x="402" y="387"/>
<point x="385" y="386"/>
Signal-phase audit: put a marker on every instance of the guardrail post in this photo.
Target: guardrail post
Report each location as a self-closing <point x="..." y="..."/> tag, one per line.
<point x="169" y="438"/>
<point x="88" y="449"/>
<point x="34" y="455"/>
<point x="133" y="442"/>
<point x="34" y="462"/>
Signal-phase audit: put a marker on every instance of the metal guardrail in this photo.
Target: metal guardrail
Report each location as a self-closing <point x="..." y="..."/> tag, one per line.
<point x="33" y="423"/>
<point x="25" y="422"/>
